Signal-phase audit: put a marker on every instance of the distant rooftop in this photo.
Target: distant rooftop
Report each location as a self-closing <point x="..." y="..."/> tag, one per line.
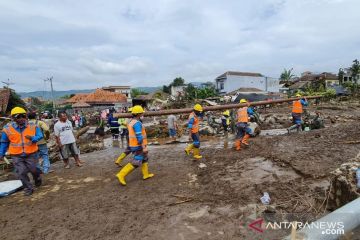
<point x="116" y="87"/>
<point x="99" y="96"/>
<point x="233" y="73"/>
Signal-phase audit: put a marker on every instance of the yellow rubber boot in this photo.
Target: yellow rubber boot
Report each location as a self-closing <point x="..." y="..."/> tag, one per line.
<point x="245" y="138"/>
<point x="124" y="172"/>
<point x="196" y="153"/>
<point x="120" y="158"/>
<point x="237" y="144"/>
<point x="189" y="148"/>
<point x="145" y="171"/>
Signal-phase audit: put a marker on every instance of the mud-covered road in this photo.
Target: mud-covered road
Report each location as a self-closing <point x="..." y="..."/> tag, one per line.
<point x="185" y="201"/>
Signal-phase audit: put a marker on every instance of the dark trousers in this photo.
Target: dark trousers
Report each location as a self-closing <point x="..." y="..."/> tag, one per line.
<point x="25" y="164"/>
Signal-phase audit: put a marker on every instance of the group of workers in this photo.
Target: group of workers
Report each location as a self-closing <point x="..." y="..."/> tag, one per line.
<point x="23" y="140"/>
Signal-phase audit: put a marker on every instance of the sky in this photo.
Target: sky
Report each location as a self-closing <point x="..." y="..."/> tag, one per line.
<point x="85" y="44"/>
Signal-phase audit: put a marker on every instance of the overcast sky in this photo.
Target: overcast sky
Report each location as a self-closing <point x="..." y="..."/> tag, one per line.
<point x="86" y="44"/>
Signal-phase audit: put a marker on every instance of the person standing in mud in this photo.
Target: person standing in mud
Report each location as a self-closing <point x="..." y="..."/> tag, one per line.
<point x="297" y="111"/>
<point x="193" y="126"/>
<point x="65" y="139"/>
<point x="243" y="130"/>
<point x="127" y="151"/>
<point x="225" y="120"/>
<point x="20" y="139"/>
<point x="138" y="146"/>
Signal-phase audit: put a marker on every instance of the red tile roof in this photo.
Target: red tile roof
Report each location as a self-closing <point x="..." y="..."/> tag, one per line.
<point x="100" y="96"/>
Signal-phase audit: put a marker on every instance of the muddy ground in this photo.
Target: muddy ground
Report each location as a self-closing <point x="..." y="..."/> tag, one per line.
<point x="215" y="198"/>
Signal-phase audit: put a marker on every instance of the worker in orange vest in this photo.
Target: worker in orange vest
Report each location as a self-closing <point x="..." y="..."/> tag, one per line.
<point x="138" y="146"/>
<point x="123" y="155"/>
<point x="193" y="126"/>
<point x="297" y="111"/>
<point x="20" y="139"/>
<point x="243" y="130"/>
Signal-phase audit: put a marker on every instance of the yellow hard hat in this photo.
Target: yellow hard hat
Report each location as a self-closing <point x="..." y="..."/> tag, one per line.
<point x="226" y="113"/>
<point x="17" y="110"/>
<point x="298" y="95"/>
<point x="130" y="110"/>
<point x="198" y="108"/>
<point x="243" y="100"/>
<point x="137" y="109"/>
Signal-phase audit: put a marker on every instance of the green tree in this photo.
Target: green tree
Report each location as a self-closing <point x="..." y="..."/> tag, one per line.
<point x="192" y="92"/>
<point x="136" y="92"/>
<point x="355" y="70"/>
<point x="286" y="76"/>
<point x="179" y="81"/>
<point x="14" y="101"/>
<point x="167" y="89"/>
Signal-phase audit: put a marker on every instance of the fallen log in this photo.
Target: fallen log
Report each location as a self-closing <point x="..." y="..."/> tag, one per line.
<point x="211" y="108"/>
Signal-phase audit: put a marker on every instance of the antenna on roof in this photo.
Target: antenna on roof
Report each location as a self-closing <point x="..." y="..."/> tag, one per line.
<point x="8" y="83"/>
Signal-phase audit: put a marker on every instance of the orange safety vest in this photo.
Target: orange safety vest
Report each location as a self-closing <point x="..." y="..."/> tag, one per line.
<point x="133" y="142"/>
<point x="297" y="107"/>
<point x="195" y="127"/>
<point x="242" y="115"/>
<point x="18" y="143"/>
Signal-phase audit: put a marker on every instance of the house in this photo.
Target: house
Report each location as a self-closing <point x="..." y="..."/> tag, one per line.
<point x="126" y="90"/>
<point x="4" y="99"/>
<point x="230" y="81"/>
<point x="347" y="77"/>
<point x="99" y="100"/>
<point x="326" y="79"/>
<point x="178" y="91"/>
<point x="151" y="100"/>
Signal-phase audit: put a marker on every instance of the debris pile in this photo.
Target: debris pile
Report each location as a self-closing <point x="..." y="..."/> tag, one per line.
<point x="343" y="187"/>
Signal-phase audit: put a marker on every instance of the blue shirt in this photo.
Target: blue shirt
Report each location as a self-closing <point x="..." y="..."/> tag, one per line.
<point x="303" y="102"/>
<point x="250" y="111"/>
<point x="138" y="132"/>
<point x="113" y="121"/>
<point x="5" y="142"/>
<point x="191" y="122"/>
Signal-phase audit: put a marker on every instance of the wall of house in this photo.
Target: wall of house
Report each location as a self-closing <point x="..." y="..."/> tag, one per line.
<point x="176" y="90"/>
<point x="235" y="82"/>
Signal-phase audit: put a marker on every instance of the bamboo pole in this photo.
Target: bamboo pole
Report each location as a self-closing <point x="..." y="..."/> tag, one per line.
<point x="211" y="108"/>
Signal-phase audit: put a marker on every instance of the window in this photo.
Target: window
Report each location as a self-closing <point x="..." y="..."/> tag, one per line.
<point x="221" y="86"/>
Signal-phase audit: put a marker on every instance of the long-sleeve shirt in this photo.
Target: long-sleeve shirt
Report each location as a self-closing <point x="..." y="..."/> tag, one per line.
<point x="304" y="102"/>
<point x="138" y="132"/>
<point x="113" y="121"/>
<point x="250" y="111"/>
<point x="5" y="142"/>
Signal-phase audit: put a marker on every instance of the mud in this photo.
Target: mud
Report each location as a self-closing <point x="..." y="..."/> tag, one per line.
<point x="214" y="198"/>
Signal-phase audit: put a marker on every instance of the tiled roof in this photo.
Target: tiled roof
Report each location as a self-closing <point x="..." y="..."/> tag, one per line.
<point x="322" y="76"/>
<point x="99" y="96"/>
<point x="80" y="105"/>
<point x="80" y="97"/>
<point x="233" y="73"/>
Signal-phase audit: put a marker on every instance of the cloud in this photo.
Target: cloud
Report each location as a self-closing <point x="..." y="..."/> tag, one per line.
<point x="127" y="66"/>
<point x="87" y="44"/>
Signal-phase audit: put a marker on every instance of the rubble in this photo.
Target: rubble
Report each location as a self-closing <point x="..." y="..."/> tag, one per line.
<point x="343" y="187"/>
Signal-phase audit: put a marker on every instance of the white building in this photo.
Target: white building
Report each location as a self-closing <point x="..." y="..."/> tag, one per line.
<point x="178" y="91"/>
<point x="126" y="90"/>
<point x="231" y="81"/>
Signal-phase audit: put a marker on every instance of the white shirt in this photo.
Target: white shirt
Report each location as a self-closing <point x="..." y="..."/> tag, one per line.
<point x="64" y="130"/>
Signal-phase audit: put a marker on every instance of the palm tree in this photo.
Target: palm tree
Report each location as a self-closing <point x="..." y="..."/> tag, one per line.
<point x="286" y="76"/>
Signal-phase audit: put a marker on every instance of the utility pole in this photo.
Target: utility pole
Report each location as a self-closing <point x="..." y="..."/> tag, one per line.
<point x="8" y="83"/>
<point x="52" y="90"/>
